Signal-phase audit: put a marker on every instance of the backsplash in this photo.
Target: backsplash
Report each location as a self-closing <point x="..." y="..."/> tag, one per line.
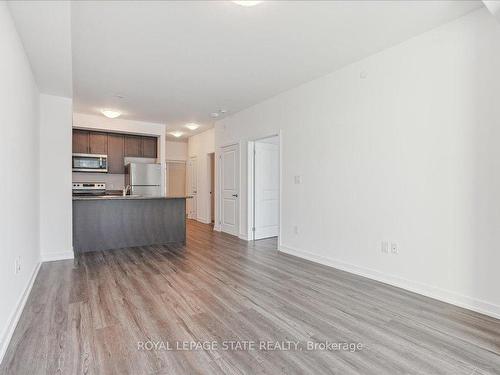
<point x="112" y="181"/>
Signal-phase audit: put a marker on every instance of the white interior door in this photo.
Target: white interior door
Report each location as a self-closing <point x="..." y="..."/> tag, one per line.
<point x="192" y="187"/>
<point x="230" y="189"/>
<point x="266" y="190"/>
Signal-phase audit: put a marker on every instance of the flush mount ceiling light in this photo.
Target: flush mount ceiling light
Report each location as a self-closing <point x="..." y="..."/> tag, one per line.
<point x="247" y="3"/>
<point x="192" y="126"/>
<point x="176" y="134"/>
<point x="218" y="113"/>
<point x="110" y="113"/>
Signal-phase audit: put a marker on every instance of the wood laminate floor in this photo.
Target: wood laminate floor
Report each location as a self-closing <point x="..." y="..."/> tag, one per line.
<point x="91" y="316"/>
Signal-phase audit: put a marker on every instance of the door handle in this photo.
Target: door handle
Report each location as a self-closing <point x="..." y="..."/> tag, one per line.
<point x="235" y="195"/>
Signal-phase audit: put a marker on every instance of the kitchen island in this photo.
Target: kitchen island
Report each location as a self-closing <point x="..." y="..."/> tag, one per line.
<point x="114" y="222"/>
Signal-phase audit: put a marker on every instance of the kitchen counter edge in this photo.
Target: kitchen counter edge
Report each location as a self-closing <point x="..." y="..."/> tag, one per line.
<point x="127" y="198"/>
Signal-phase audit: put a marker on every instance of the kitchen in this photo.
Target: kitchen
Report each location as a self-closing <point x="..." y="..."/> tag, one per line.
<point x="119" y="189"/>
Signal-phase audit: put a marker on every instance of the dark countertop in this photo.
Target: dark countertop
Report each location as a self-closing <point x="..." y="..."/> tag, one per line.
<point x="120" y="197"/>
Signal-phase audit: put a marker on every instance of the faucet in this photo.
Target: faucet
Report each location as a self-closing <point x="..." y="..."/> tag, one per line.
<point x="126" y="190"/>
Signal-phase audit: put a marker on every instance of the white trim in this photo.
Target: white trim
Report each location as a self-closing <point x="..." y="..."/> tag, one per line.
<point x="250" y="190"/>
<point x="217" y="228"/>
<point x="14" y="319"/>
<point x="62" y="255"/>
<point x="280" y="234"/>
<point x="250" y="183"/>
<point x="244" y="237"/>
<point x="212" y="194"/>
<point x="202" y="220"/>
<point x="444" y="295"/>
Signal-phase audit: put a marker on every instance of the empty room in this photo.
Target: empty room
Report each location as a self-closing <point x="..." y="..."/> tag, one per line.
<point x="250" y="187"/>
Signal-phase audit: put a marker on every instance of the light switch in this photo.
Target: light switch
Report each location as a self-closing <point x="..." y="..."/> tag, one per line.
<point x="298" y="180"/>
<point x="394" y="248"/>
<point x="385" y="247"/>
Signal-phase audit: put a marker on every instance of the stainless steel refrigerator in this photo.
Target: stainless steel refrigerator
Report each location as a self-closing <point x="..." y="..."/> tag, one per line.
<point x="144" y="179"/>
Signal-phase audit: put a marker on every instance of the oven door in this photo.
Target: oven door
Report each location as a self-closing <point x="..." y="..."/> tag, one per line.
<point x="90" y="163"/>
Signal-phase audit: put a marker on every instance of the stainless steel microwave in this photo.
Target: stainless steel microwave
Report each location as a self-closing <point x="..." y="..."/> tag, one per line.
<point x="90" y="163"/>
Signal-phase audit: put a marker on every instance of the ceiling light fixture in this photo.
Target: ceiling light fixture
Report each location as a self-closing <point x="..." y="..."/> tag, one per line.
<point x="176" y="134"/>
<point x="110" y="113"/>
<point x="192" y="126"/>
<point x="247" y="3"/>
<point x="214" y="115"/>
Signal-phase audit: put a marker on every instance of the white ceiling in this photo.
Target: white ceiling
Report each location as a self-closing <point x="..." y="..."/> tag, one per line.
<point x="176" y="62"/>
<point x="494" y="7"/>
<point x="45" y="30"/>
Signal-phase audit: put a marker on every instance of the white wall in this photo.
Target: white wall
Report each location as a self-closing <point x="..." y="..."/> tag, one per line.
<point x="115" y="182"/>
<point x="200" y="146"/>
<point x="408" y="154"/>
<point x="19" y="198"/>
<point x="56" y="230"/>
<point x="176" y="150"/>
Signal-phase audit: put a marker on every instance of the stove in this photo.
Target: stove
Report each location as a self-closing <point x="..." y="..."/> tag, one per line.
<point x="89" y="188"/>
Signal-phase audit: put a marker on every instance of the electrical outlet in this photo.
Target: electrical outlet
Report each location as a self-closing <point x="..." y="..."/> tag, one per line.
<point x="385" y="247"/>
<point x="298" y="180"/>
<point x="394" y="248"/>
<point x="17" y="265"/>
<point x="295" y="229"/>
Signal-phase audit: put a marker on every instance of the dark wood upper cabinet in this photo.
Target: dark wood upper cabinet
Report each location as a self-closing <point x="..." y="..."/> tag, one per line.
<point x="133" y="146"/>
<point x="149" y="146"/>
<point x="80" y="142"/>
<point x="116" y="153"/>
<point x="98" y="143"/>
<point x="116" y="146"/>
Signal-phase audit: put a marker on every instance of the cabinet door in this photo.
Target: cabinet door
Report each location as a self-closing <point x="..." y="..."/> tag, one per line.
<point x="98" y="143"/>
<point x="80" y="142"/>
<point x="149" y="147"/>
<point x="116" y="154"/>
<point x="133" y="146"/>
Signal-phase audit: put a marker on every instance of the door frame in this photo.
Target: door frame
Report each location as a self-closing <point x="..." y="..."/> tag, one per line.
<point x="218" y="186"/>
<point x="251" y="185"/>
<point x="209" y="185"/>
<point x="189" y="186"/>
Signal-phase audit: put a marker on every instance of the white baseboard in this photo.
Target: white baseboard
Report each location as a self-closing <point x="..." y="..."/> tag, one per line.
<point x="203" y="220"/>
<point x="14" y="319"/>
<point x="217" y="228"/>
<point x="62" y="255"/>
<point x="447" y="296"/>
<point x="244" y="237"/>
